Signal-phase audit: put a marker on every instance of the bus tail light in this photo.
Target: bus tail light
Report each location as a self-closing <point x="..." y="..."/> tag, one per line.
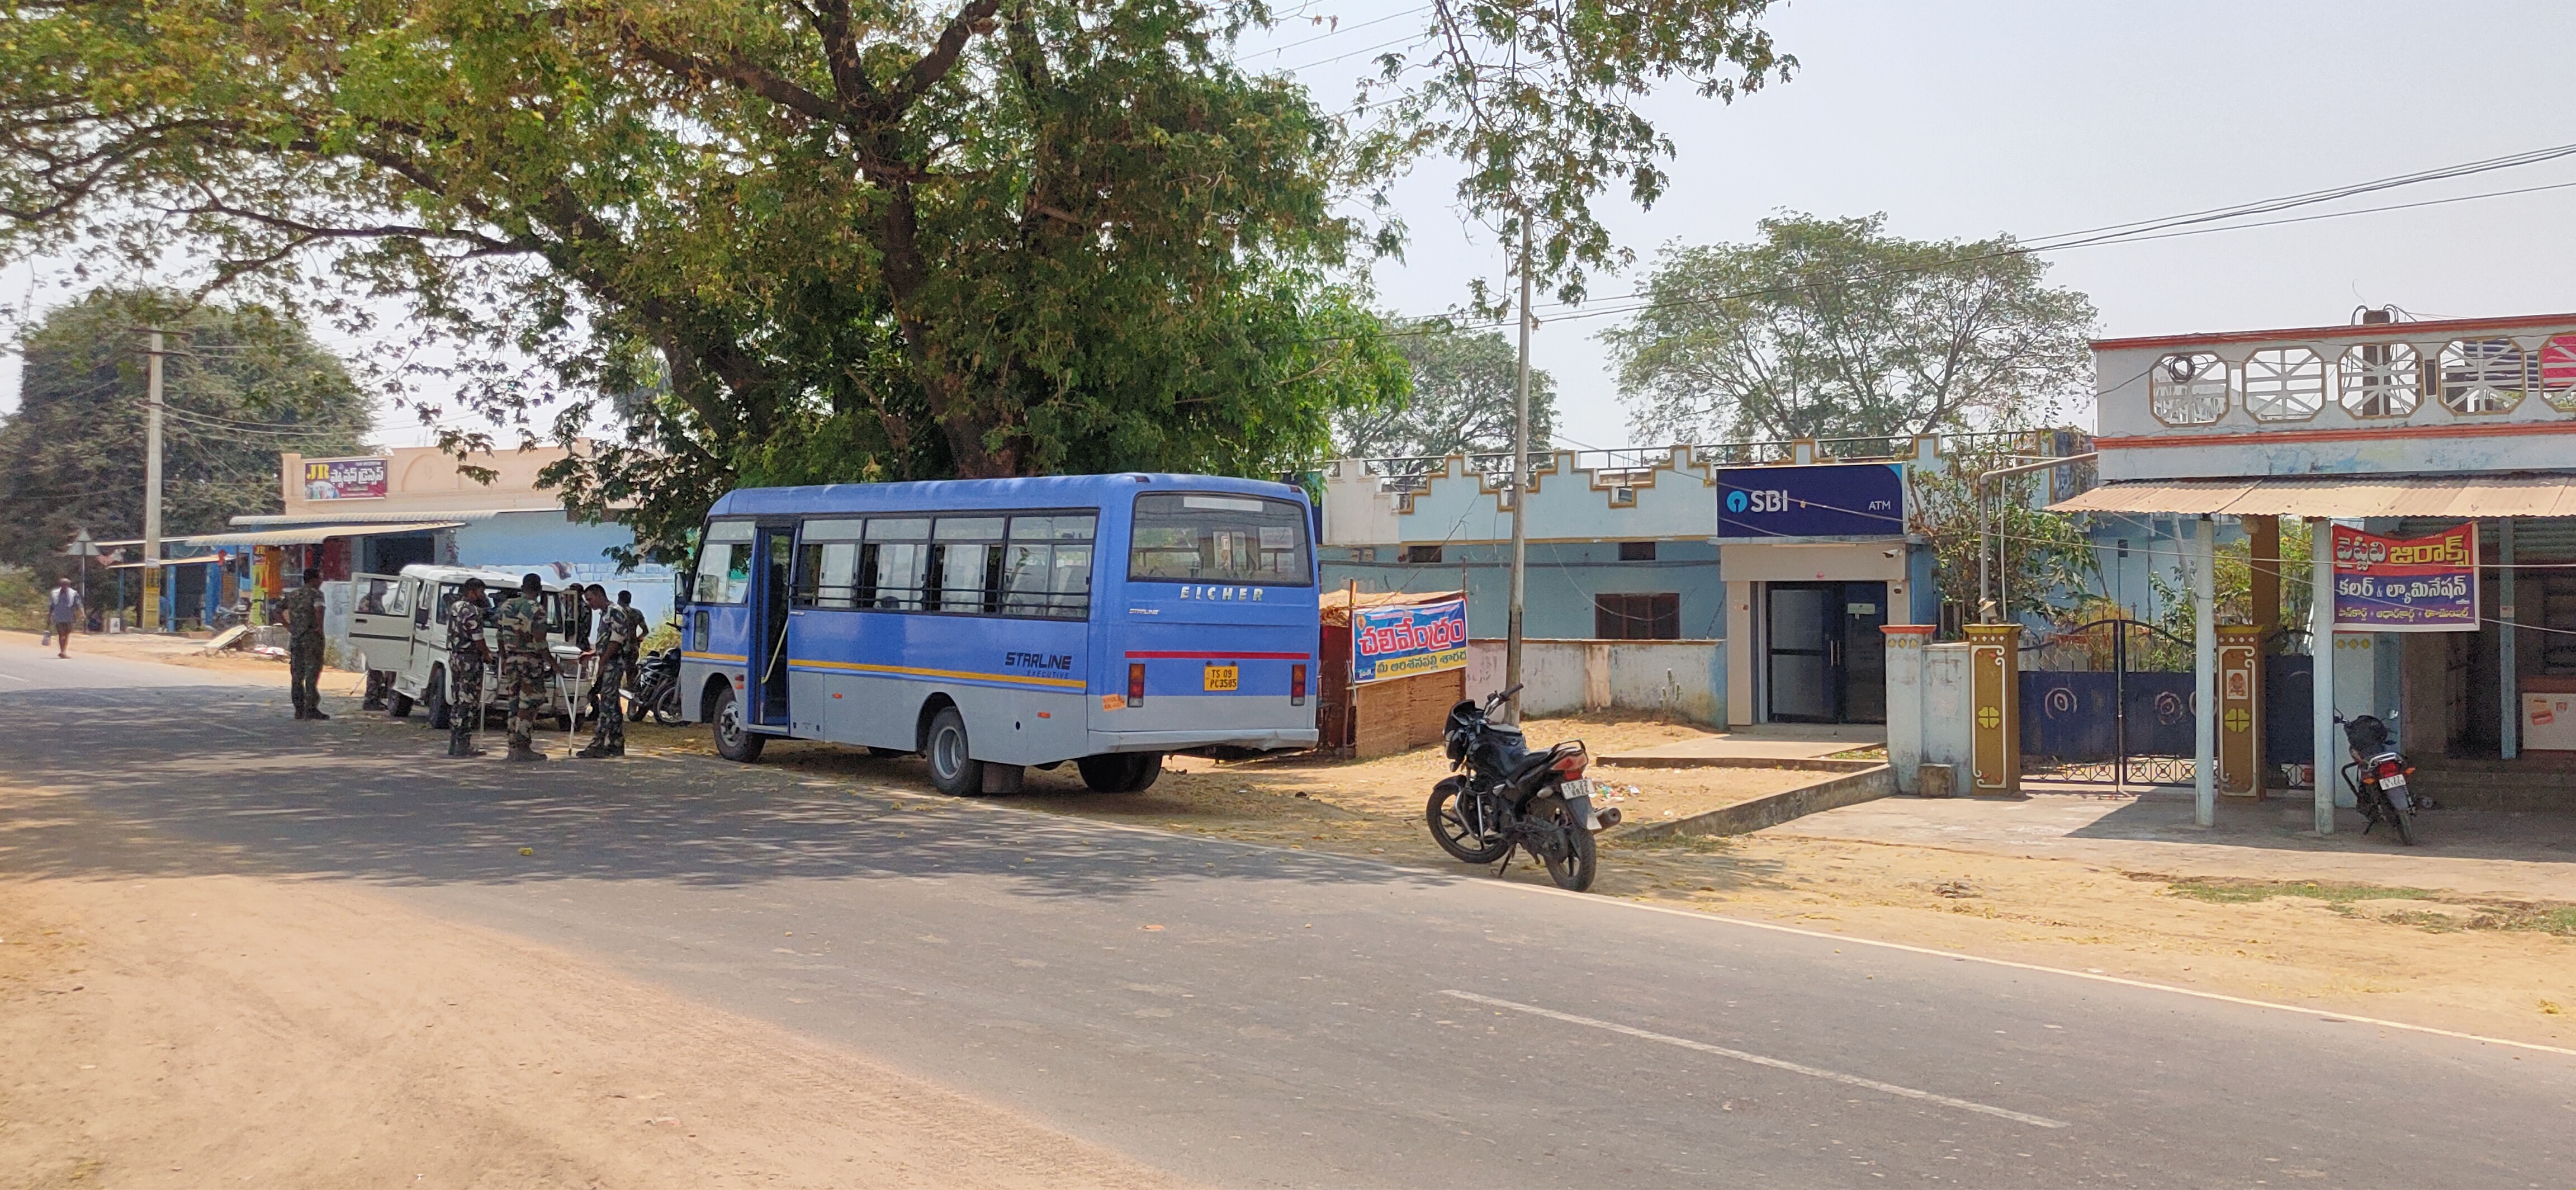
<point x="1296" y="685"/>
<point x="1135" y="683"/>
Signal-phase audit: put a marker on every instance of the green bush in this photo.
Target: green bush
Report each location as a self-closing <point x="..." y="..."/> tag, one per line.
<point x="22" y="599"/>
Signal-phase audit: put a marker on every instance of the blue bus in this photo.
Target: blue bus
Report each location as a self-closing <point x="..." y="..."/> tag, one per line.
<point x="994" y="624"/>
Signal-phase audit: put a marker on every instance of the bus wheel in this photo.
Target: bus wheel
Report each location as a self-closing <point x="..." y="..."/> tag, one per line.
<point x="1121" y="772"/>
<point x="733" y="740"/>
<point x="950" y="769"/>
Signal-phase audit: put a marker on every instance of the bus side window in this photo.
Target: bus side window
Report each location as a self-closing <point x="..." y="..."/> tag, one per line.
<point x="968" y="564"/>
<point x="724" y="565"/>
<point x="827" y="554"/>
<point x="1047" y="566"/>
<point x="894" y="564"/>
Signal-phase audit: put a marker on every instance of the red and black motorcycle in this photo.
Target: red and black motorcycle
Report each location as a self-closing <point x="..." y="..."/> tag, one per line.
<point x="1506" y="796"/>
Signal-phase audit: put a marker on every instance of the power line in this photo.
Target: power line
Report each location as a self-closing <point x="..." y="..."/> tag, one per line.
<point x="1338" y="31"/>
<point x="2138" y="231"/>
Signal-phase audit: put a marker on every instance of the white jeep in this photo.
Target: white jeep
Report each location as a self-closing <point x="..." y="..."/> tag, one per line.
<point x="398" y="628"/>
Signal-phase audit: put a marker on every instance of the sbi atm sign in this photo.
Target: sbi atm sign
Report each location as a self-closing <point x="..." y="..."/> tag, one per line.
<point x="1834" y="500"/>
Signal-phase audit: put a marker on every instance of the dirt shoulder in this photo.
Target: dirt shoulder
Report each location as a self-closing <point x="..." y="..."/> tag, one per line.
<point x="186" y="652"/>
<point x="2236" y="921"/>
<point x="238" y="1031"/>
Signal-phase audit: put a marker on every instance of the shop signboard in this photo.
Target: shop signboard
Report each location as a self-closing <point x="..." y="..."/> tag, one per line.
<point x="1399" y="642"/>
<point x="2416" y="584"/>
<point x="1831" y="500"/>
<point x="345" y="479"/>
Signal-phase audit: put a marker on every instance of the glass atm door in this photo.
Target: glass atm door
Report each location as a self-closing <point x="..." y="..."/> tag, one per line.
<point x="1826" y="658"/>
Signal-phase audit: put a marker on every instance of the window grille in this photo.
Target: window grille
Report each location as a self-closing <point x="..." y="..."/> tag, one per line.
<point x="2558" y="373"/>
<point x="2483" y="375"/>
<point x="2188" y="389"/>
<point x="2380" y="380"/>
<point x="2285" y="384"/>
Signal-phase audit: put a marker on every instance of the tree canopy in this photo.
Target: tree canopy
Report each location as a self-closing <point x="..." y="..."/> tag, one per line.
<point x="781" y="241"/>
<point x="1832" y="328"/>
<point x="798" y="242"/>
<point x="239" y="385"/>
<point x="1464" y="397"/>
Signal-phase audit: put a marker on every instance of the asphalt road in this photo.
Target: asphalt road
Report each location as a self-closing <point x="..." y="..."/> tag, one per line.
<point x="1255" y="1017"/>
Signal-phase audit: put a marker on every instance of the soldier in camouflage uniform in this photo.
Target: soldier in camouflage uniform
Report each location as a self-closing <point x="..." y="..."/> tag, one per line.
<point x="526" y="667"/>
<point x="302" y="611"/>
<point x="468" y="654"/>
<point x="620" y="631"/>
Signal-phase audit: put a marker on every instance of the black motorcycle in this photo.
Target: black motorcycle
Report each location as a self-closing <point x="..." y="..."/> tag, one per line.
<point x="1507" y="797"/>
<point x="2379" y="778"/>
<point x="657" y="689"/>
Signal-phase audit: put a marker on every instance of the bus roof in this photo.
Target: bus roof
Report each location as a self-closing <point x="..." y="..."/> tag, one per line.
<point x="932" y="495"/>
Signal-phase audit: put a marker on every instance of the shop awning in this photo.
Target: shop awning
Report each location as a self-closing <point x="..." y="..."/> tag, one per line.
<point x="205" y="560"/>
<point x="2550" y="494"/>
<point x="313" y="534"/>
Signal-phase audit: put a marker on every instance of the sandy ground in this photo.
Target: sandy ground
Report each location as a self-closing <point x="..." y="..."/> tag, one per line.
<point x="231" y="1031"/>
<point x="2494" y="959"/>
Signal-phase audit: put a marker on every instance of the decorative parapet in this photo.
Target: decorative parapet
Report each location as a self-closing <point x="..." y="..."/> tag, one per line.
<point x="2494" y="394"/>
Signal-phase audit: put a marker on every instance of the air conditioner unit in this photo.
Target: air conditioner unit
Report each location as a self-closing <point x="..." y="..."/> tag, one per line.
<point x="1623" y="497"/>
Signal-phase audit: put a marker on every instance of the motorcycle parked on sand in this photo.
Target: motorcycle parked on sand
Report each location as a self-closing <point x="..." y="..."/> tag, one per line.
<point x="1506" y="796"/>
<point x="2379" y="778"/>
<point x="657" y="689"/>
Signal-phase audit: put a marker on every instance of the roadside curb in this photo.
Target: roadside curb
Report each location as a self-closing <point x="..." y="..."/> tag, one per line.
<point x="1742" y="818"/>
<point x="1815" y="764"/>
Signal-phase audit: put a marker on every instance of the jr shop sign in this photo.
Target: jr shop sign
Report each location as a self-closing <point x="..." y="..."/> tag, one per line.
<point x="345" y="479"/>
<point x="2418" y="584"/>
<point x="1399" y="642"/>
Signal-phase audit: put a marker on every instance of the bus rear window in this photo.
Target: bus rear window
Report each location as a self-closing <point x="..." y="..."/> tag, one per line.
<point x="1192" y="537"/>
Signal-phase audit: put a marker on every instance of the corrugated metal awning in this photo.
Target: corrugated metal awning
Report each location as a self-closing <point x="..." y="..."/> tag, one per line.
<point x="313" y="534"/>
<point x="206" y="560"/>
<point x="2551" y="494"/>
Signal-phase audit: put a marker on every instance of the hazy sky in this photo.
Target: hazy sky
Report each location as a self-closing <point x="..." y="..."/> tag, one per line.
<point x="1964" y="119"/>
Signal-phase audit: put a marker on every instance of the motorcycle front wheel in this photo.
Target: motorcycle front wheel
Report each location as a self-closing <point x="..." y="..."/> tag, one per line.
<point x="1573" y="865"/>
<point x="666" y="705"/>
<point x="1450" y="827"/>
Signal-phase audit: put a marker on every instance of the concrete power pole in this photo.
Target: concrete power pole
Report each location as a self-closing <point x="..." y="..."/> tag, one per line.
<point x="1519" y="490"/>
<point x="152" y="489"/>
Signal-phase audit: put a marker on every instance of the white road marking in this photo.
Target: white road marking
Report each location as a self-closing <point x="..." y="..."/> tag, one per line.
<point x="1834" y="1076"/>
<point x="16" y="678"/>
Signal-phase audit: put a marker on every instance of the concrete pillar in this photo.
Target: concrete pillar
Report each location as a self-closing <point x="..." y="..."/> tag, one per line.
<point x="2204" y="671"/>
<point x="2240" y="710"/>
<point x="2263" y="535"/>
<point x="2329" y="757"/>
<point x="2509" y="694"/>
<point x="1994" y="692"/>
<point x="1743" y="653"/>
<point x="1905" y="645"/>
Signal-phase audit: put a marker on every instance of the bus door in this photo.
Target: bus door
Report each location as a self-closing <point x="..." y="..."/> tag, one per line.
<point x="773" y="557"/>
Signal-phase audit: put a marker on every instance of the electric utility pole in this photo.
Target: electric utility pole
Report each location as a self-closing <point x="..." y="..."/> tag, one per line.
<point x="1519" y="490"/>
<point x="152" y="488"/>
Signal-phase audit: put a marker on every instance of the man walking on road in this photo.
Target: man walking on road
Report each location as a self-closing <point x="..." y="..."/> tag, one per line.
<point x="302" y="611"/>
<point x="526" y="666"/>
<point x="468" y="654"/>
<point x="62" y="610"/>
<point x="620" y="630"/>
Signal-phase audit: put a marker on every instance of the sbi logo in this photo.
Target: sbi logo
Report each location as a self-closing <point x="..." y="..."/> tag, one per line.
<point x="1768" y="500"/>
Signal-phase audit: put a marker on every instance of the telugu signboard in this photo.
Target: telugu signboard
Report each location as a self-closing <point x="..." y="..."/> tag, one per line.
<point x="2421" y="584"/>
<point x="345" y="479"/>
<point x="1399" y="642"/>
<point x="1833" y="500"/>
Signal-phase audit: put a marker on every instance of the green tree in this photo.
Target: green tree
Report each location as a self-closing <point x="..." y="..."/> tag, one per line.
<point x="1464" y="386"/>
<point x="1543" y="105"/>
<point x="240" y="385"/>
<point x="1832" y="328"/>
<point x="780" y="241"/>
<point x="2045" y="565"/>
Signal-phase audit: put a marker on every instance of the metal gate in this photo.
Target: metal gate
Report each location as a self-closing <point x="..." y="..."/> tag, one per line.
<point x="2108" y="703"/>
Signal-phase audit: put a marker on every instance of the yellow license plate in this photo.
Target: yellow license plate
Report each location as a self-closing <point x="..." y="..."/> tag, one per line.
<point x="1221" y="677"/>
